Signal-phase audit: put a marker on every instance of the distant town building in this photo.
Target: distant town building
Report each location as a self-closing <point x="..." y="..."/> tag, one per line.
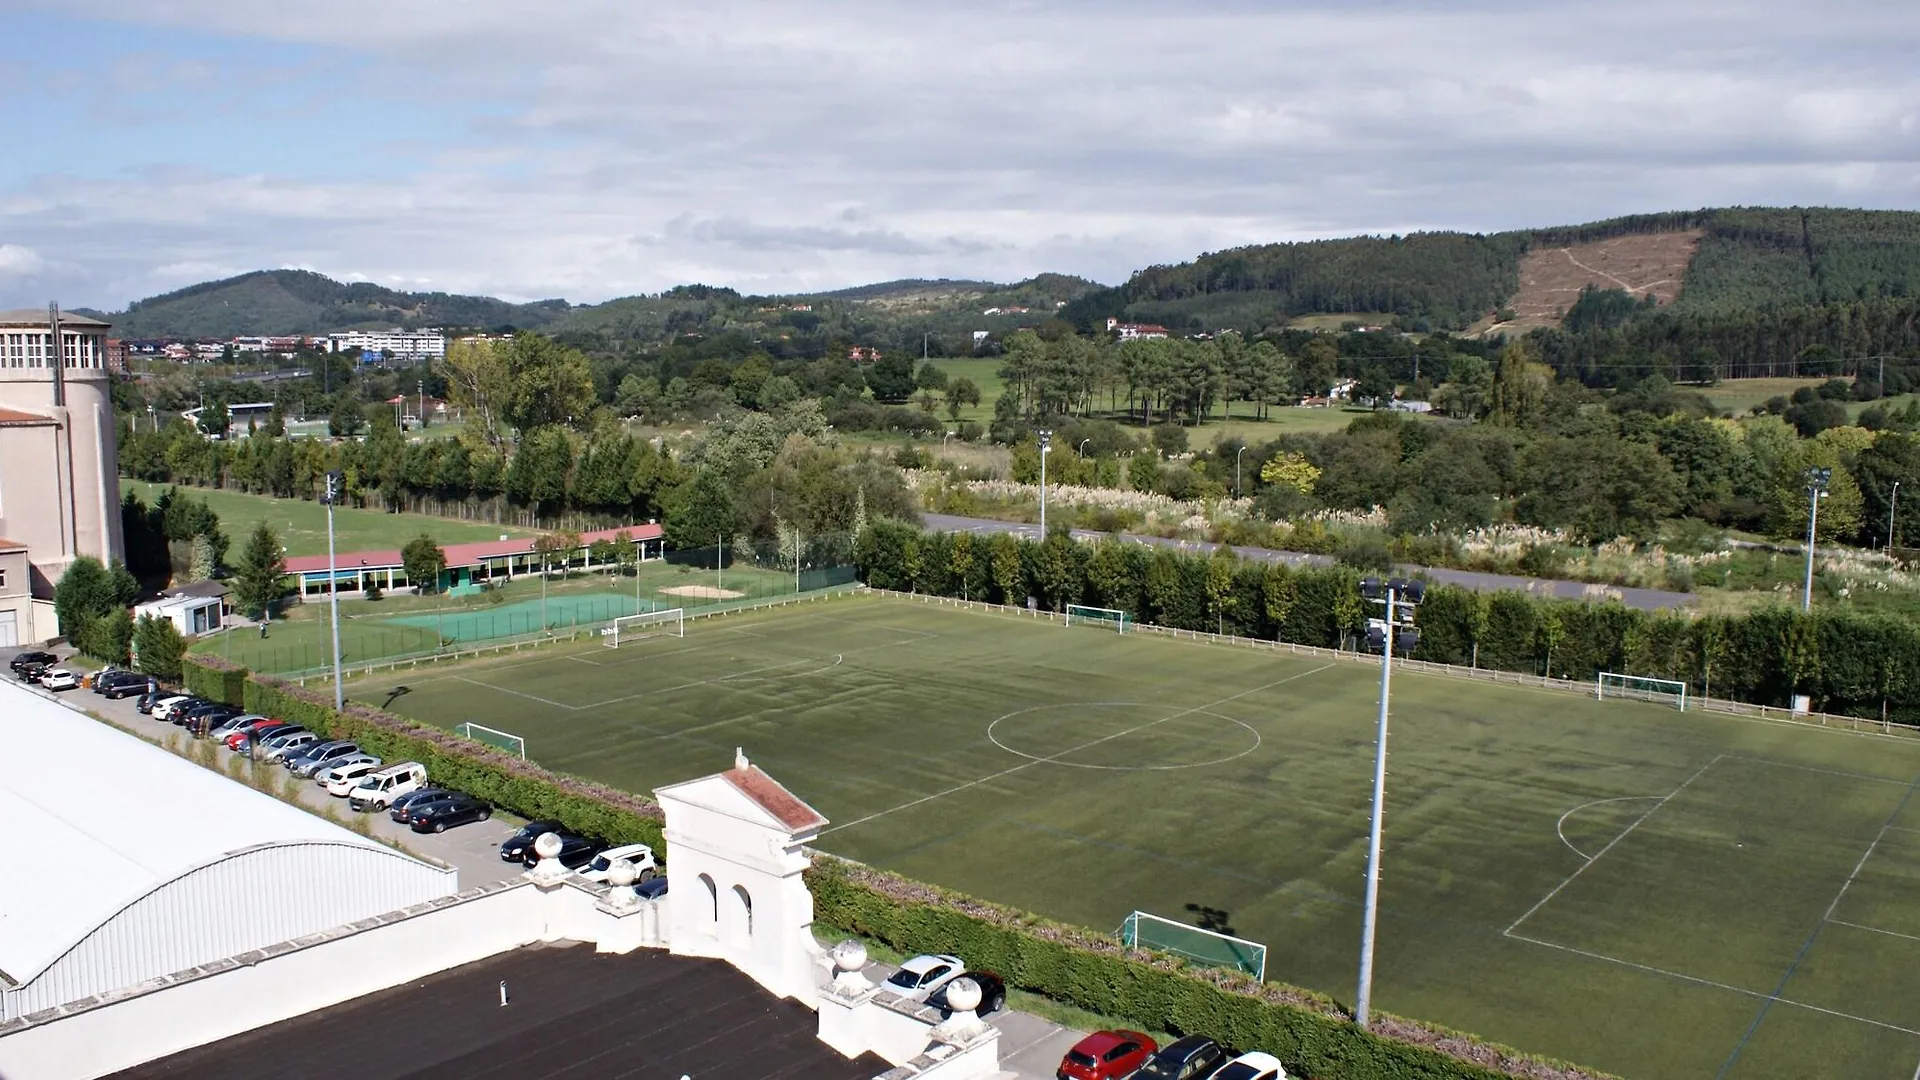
<point x="863" y="354"/>
<point x="116" y="356"/>
<point x="59" y="467"/>
<point x="405" y="344"/>
<point x="1135" y="331"/>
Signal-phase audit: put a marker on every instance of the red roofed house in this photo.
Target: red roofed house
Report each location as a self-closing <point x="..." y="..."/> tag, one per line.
<point x="1135" y="331"/>
<point x="467" y="564"/>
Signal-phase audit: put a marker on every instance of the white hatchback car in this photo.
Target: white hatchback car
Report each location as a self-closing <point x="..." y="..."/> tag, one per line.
<point x="59" y="679"/>
<point x="922" y="975"/>
<point x="342" y="779"/>
<point x="1252" y="1066"/>
<point x="163" y="709"/>
<point x="640" y="855"/>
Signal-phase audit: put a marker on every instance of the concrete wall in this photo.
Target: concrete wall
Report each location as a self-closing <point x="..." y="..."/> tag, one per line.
<point x="59" y="482"/>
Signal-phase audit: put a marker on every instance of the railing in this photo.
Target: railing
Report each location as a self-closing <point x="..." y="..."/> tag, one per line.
<point x="1429" y="667"/>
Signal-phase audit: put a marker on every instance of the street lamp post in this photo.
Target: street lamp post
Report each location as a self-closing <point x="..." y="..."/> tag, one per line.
<point x="336" y="486"/>
<point x="1399" y="597"/>
<point x="1236" y="469"/>
<point x="1081" y="450"/>
<point x="1046" y="444"/>
<point x="1891" y="507"/>
<point x="1818" y="479"/>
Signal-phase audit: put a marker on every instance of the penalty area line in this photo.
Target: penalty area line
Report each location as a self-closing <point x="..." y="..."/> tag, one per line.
<point x="1070" y="750"/>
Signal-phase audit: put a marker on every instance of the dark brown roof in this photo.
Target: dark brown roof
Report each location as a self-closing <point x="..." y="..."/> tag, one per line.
<point x="774" y="798"/>
<point x="570" y="1013"/>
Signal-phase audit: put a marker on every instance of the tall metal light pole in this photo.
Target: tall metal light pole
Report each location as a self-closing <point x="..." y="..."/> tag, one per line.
<point x="1236" y="469"/>
<point x="1081" y="450"/>
<point x="1818" y="480"/>
<point x="1891" y="507"/>
<point x="1046" y="444"/>
<point x="1399" y="597"/>
<point x="336" y="487"/>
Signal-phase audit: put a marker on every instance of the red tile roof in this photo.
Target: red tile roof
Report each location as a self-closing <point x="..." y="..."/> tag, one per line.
<point x="458" y="554"/>
<point x="774" y="798"/>
<point x="10" y="417"/>
<point x="11" y="545"/>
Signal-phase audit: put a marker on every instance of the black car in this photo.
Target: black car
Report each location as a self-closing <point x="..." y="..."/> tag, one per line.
<point x="119" y="684"/>
<point x="106" y="678"/>
<point x="23" y="659"/>
<point x="213" y="711"/>
<point x="993" y="995"/>
<point x="651" y="889"/>
<point x="150" y="698"/>
<point x="515" y="848"/>
<point x="456" y="808"/>
<point x="575" y="852"/>
<point x="1195" y="1055"/>
<point x="398" y="811"/>
<point x="31" y="672"/>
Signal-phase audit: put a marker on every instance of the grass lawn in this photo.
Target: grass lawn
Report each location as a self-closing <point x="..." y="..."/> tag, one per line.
<point x="1645" y="891"/>
<point x="1738" y="396"/>
<point x="302" y="525"/>
<point x="984" y="371"/>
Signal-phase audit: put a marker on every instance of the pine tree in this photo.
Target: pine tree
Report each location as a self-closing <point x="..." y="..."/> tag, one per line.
<point x="260" y="578"/>
<point x="158" y="647"/>
<point x="200" y="566"/>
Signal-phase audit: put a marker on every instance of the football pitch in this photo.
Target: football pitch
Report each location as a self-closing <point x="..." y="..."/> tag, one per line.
<point x="1640" y="890"/>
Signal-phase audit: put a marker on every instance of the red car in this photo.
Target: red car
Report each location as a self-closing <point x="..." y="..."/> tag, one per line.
<point x="252" y="731"/>
<point x="1106" y="1055"/>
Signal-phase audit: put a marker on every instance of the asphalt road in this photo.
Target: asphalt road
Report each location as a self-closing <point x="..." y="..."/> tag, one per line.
<point x="474" y="849"/>
<point x="1644" y="599"/>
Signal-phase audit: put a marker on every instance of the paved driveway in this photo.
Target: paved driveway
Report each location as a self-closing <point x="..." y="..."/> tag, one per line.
<point x="1644" y="599"/>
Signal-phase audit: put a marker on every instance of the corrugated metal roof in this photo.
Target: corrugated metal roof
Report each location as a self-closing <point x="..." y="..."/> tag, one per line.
<point x="99" y="818"/>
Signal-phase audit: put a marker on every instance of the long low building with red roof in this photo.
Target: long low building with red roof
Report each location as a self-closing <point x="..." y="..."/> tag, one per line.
<point x="468" y="565"/>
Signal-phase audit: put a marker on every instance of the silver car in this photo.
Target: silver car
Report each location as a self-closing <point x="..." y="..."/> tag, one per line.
<point x="345" y="763"/>
<point x="312" y="759"/>
<point x="275" y="749"/>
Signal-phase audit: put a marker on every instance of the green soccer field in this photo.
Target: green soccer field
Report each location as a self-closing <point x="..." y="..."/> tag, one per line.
<point x="1649" y="892"/>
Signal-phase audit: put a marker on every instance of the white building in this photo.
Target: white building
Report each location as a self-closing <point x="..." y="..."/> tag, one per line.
<point x="141" y="864"/>
<point x="409" y="344"/>
<point x="191" y="615"/>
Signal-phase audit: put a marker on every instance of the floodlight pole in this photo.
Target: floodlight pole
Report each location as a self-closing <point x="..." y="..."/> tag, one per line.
<point x="1046" y="444"/>
<point x="1891" y="507"/>
<point x="1391" y="597"/>
<point x="336" y="480"/>
<point x="1236" y="469"/>
<point x="1817" y="481"/>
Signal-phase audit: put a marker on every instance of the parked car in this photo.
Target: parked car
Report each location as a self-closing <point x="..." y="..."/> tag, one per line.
<point x="652" y="889"/>
<point x="151" y="698"/>
<point x="1252" y="1066"/>
<point x="21" y="660"/>
<point x="32" y="672"/>
<point x="164" y="709"/>
<point x="126" y="687"/>
<point x="514" y="848"/>
<point x="309" y="760"/>
<point x="1106" y="1055"/>
<point x="438" y="815"/>
<point x="1190" y="1058"/>
<point x="106" y="680"/>
<point x="920" y="976"/>
<point x="208" y="715"/>
<point x="993" y="995"/>
<point x="244" y="735"/>
<point x="378" y="790"/>
<point x="282" y="742"/>
<point x="640" y="855"/>
<point x="234" y="723"/>
<point x="575" y="851"/>
<point x="398" y="809"/>
<point x="358" y="757"/>
<point x="59" y="679"/>
<point x="340" y="780"/>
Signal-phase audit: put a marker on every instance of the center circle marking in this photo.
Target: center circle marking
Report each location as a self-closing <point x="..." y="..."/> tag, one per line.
<point x="993" y="735"/>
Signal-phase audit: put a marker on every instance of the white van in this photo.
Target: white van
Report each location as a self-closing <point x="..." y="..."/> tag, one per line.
<point x="378" y="790"/>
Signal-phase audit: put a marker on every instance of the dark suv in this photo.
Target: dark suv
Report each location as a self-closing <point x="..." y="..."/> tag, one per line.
<point x="22" y="660"/>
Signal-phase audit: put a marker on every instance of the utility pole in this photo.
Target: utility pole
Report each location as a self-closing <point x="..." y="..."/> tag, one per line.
<point x="1891" y="507"/>
<point x="1046" y="444"/>
<point x="336" y="487"/>
<point x="1817" y="481"/>
<point x="1398" y="596"/>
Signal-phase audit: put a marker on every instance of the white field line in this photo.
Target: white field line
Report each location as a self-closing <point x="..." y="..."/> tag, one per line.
<point x="1698" y="981"/>
<point x="1816" y="769"/>
<point x="1874" y="929"/>
<point x="1595" y="857"/>
<point x="517" y="693"/>
<point x="739" y="676"/>
<point x="1559" y="827"/>
<point x="1071" y="750"/>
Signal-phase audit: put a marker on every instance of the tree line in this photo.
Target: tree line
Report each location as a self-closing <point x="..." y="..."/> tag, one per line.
<point x="1849" y="664"/>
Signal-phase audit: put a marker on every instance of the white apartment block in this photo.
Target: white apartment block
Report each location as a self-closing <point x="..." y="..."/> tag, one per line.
<point x="416" y="344"/>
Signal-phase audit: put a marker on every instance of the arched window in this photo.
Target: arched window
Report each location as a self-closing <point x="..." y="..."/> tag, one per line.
<point x="742" y="921"/>
<point x="713" y="903"/>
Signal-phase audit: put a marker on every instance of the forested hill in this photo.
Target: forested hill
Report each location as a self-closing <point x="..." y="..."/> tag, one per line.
<point x="303" y="302"/>
<point x="1747" y="259"/>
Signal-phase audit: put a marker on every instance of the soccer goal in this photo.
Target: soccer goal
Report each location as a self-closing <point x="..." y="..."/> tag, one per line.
<point x="648" y="624"/>
<point x="1211" y="948"/>
<point x="1640" y="688"/>
<point x="505" y="740"/>
<point x="1083" y="615"/>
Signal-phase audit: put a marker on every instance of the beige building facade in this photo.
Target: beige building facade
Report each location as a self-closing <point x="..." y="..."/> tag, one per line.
<point x="59" y="465"/>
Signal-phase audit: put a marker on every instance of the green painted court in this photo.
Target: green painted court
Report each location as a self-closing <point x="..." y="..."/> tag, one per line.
<point x="1640" y="890"/>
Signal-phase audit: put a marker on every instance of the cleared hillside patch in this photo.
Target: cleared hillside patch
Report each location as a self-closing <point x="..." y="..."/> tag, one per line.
<point x="1551" y="276"/>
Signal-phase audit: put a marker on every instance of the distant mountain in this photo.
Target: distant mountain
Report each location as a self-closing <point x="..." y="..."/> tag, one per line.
<point x="303" y="302"/>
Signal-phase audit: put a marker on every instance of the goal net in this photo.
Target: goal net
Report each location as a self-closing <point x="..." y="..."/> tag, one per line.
<point x="1210" y="948"/>
<point x="505" y="740"/>
<point x="1100" y="616"/>
<point x="1609" y="684"/>
<point x="630" y="628"/>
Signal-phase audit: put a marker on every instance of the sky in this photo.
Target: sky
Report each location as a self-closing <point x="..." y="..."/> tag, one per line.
<point x="599" y="148"/>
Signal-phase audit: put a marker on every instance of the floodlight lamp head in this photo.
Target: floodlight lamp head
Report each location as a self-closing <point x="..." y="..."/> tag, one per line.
<point x="1408" y="639"/>
<point x="1398" y="585"/>
<point x="1415" y="591"/>
<point x="1376" y="637"/>
<point x="1370" y="588"/>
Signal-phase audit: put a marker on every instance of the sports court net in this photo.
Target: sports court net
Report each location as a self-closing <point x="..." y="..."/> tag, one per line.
<point x="631" y="628"/>
<point x="505" y="740"/>
<point x="1210" y="948"/>
<point x="1640" y="688"/>
<point x="1097" y="616"/>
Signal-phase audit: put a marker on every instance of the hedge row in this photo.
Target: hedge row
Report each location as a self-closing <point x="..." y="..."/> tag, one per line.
<point x="1307" y="1031"/>
<point x="1848" y="663"/>
<point x="506" y="781"/>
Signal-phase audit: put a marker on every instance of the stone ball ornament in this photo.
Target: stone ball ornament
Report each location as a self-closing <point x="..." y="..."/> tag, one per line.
<point x="963" y="995"/>
<point x="621" y="874"/>
<point x="547" y="846"/>
<point x="850" y="955"/>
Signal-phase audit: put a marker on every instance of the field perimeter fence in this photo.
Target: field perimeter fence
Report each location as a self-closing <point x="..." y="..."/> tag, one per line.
<point x="1428" y="667"/>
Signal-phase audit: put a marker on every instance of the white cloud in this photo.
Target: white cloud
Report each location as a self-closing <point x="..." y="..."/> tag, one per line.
<point x="17" y="261"/>
<point x="604" y="147"/>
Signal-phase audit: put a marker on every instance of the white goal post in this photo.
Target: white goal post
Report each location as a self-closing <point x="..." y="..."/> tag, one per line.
<point x="505" y="740"/>
<point x="628" y="628"/>
<point x="1108" y="616"/>
<point x="1194" y="944"/>
<point x="1609" y="684"/>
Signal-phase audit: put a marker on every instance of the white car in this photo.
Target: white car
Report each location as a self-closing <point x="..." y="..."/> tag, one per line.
<point x="59" y="679"/>
<point x="342" y="779"/>
<point x="640" y="855"/>
<point x="163" y="709"/>
<point x="343" y="761"/>
<point x="1253" y="1066"/>
<point x="922" y="975"/>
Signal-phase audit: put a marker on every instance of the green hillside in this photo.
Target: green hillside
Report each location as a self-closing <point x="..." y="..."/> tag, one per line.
<point x="303" y="302"/>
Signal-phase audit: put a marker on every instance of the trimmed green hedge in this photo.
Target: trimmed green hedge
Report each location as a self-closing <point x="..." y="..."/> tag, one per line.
<point x="1307" y="1031"/>
<point x="502" y="779"/>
